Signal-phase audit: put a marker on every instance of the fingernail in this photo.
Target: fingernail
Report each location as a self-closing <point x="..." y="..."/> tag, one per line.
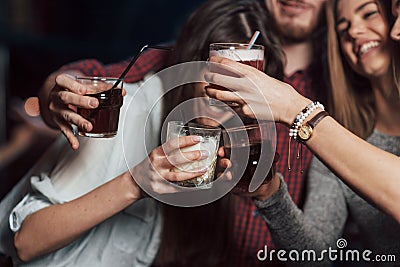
<point x="203" y="169"/>
<point x="81" y="91"/>
<point x="86" y="126"/>
<point x="93" y="103"/>
<point x="197" y="138"/>
<point x="204" y="154"/>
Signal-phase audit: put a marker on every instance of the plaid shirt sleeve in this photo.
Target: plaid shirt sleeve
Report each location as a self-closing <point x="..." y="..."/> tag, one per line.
<point x="151" y="60"/>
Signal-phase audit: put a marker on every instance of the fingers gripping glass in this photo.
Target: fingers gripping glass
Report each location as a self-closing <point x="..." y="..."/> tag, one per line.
<point x="249" y="54"/>
<point x="210" y="142"/>
<point x="105" y="117"/>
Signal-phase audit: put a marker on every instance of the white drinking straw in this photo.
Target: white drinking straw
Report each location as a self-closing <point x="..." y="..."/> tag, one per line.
<point x="253" y="39"/>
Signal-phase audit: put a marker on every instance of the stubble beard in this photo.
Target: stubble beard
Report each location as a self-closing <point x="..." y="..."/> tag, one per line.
<point x="292" y="34"/>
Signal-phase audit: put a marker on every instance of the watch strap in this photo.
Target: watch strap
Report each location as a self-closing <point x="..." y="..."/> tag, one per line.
<point x="317" y="118"/>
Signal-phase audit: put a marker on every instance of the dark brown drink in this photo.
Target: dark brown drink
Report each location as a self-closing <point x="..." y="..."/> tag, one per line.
<point x="252" y="55"/>
<point x="237" y="152"/>
<point x="258" y="64"/>
<point x="105" y="117"/>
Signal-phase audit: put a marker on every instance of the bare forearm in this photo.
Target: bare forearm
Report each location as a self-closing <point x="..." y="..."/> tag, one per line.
<point x="367" y="169"/>
<point x="370" y="171"/>
<point x="56" y="226"/>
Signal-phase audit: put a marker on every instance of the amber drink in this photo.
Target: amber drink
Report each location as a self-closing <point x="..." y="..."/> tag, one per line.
<point x="244" y="146"/>
<point x="252" y="55"/>
<point x="105" y="117"/>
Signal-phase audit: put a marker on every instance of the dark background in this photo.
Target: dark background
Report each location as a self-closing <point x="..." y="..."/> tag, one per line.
<point x="39" y="36"/>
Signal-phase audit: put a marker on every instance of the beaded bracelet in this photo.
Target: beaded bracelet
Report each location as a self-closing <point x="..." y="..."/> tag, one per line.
<point x="294" y="129"/>
<point x="298" y="121"/>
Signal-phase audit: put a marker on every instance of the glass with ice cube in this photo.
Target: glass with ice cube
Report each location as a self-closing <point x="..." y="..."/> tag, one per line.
<point x="210" y="142"/>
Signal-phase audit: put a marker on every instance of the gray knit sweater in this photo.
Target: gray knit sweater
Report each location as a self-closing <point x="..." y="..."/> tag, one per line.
<point x="328" y="204"/>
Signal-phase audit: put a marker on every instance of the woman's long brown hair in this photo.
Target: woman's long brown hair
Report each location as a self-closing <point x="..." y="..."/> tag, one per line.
<point x="202" y="236"/>
<point x="226" y="21"/>
<point x="351" y="100"/>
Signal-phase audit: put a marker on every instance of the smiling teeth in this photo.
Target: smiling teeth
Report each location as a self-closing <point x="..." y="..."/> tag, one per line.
<point x="367" y="46"/>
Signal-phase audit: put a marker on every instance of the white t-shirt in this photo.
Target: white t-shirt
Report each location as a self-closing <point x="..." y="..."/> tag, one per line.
<point x="129" y="238"/>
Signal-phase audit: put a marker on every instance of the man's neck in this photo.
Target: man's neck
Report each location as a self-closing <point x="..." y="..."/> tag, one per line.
<point x="298" y="57"/>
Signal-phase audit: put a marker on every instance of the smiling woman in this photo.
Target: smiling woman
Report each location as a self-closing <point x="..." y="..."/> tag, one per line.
<point x="361" y="33"/>
<point x="364" y="97"/>
<point x="363" y="64"/>
<point x="368" y="53"/>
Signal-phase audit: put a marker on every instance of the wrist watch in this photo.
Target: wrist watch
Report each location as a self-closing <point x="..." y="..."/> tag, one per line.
<point x="305" y="131"/>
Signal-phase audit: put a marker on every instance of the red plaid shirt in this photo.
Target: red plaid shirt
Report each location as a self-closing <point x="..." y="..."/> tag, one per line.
<point x="251" y="232"/>
<point x="250" y="229"/>
<point x="151" y="60"/>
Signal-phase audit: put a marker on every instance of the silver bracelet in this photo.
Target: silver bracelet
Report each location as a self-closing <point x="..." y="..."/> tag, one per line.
<point x="298" y="121"/>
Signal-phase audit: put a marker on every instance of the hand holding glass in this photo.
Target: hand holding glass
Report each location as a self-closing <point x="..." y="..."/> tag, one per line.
<point x="252" y="55"/>
<point x="248" y="140"/>
<point x="105" y="117"/>
<point x="210" y="141"/>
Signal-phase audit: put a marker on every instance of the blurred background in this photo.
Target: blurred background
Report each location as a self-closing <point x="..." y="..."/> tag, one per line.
<point x="39" y="36"/>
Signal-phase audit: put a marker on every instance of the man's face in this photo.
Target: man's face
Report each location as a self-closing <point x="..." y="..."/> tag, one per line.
<point x="295" y="19"/>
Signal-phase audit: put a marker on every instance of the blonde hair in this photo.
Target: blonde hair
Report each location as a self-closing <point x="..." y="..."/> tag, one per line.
<point x="396" y="69"/>
<point x="351" y="100"/>
<point x="343" y="102"/>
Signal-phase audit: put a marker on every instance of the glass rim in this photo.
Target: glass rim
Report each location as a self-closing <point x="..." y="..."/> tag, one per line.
<point x="196" y="126"/>
<point x="98" y="78"/>
<point x="237" y="45"/>
<point x="246" y="127"/>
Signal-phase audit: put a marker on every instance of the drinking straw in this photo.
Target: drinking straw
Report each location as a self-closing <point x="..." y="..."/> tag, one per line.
<point x="134" y="60"/>
<point x="253" y="39"/>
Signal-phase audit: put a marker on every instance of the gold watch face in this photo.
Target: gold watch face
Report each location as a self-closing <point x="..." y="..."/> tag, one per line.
<point x="305" y="132"/>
